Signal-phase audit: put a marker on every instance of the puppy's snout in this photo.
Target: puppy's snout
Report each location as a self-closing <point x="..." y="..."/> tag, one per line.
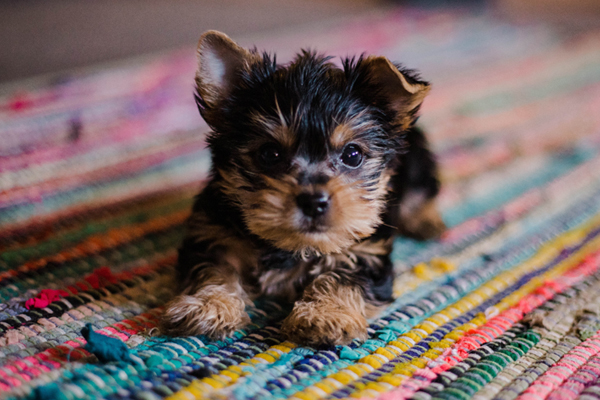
<point x="313" y="204"/>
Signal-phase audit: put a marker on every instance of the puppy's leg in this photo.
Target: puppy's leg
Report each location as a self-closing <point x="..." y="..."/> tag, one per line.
<point x="415" y="186"/>
<point x="330" y="312"/>
<point x="211" y="264"/>
<point x="419" y="217"/>
<point x="334" y="308"/>
<point x="212" y="304"/>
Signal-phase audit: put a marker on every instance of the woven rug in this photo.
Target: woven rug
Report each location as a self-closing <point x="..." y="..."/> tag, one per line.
<point x="98" y="168"/>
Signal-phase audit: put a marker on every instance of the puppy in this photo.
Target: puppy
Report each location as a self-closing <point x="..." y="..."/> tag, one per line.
<point x="315" y="169"/>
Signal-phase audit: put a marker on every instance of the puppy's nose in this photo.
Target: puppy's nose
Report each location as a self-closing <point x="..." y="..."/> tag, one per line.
<point x="313" y="204"/>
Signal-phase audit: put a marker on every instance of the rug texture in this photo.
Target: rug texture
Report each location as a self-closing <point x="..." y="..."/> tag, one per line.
<point x="99" y="167"/>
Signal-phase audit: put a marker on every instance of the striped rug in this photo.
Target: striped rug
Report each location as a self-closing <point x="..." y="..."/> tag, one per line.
<point x="97" y="172"/>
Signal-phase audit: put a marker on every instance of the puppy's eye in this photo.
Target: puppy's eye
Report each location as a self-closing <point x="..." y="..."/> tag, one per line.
<point x="269" y="154"/>
<point x="352" y="156"/>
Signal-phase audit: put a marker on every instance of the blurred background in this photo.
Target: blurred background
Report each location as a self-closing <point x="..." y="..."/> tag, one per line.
<point x="96" y="97"/>
<point x="102" y="150"/>
<point x="40" y="36"/>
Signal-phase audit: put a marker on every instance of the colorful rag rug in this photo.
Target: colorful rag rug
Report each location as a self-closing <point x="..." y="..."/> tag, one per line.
<point x="98" y="168"/>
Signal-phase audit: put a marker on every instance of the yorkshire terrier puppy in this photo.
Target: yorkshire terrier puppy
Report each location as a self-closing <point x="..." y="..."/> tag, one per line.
<point x="315" y="169"/>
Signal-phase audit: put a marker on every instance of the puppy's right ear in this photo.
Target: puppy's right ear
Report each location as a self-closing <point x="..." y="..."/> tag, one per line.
<point x="220" y="63"/>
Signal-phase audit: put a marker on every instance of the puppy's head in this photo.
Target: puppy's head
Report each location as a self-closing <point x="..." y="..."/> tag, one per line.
<point x="304" y="150"/>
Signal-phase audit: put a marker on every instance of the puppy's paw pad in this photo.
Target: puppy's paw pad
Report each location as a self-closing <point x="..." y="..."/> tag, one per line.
<point x="321" y="323"/>
<point x="211" y="312"/>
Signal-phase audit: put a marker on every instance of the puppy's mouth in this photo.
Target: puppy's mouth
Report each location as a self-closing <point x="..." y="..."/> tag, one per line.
<point x="313" y="225"/>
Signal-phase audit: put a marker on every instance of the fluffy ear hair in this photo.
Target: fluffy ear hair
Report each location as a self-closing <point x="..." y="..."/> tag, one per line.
<point x="401" y="91"/>
<point x="220" y="63"/>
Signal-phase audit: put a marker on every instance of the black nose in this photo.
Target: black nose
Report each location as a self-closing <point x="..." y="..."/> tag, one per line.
<point x="313" y="204"/>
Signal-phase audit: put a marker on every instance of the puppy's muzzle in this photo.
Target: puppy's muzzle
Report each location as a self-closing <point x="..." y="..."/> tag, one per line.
<point x="313" y="204"/>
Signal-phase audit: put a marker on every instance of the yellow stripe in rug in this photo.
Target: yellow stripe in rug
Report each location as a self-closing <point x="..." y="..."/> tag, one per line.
<point x="543" y="256"/>
<point x="402" y="371"/>
<point x="200" y="388"/>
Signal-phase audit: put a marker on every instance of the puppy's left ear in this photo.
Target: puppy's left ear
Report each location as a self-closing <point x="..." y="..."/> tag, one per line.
<point x="403" y="93"/>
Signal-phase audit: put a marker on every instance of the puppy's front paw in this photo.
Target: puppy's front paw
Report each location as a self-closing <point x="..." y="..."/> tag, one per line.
<point x="324" y="323"/>
<point x="213" y="311"/>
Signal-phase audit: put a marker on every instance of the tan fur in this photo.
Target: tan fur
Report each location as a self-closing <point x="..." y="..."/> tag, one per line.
<point x="326" y="245"/>
<point x="271" y="213"/>
<point x="404" y="97"/>
<point x="341" y="135"/>
<point x="373" y="310"/>
<point x="240" y="254"/>
<point x="200" y="228"/>
<point x="350" y="130"/>
<point x="354" y="214"/>
<point x="213" y="305"/>
<point x="328" y="313"/>
<point x="283" y="283"/>
<point x="371" y="251"/>
<point x="241" y="260"/>
<point x="219" y="60"/>
<point x="278" y="130"/>
<point x="419" y="217"/>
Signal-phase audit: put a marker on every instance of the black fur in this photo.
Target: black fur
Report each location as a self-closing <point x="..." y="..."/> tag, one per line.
<point x="323" y="94"/>
<point x="313" y="96"/>
<point x="310" y="86"/>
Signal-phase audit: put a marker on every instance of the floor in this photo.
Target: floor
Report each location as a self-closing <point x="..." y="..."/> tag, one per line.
<point x="39" y="36"/>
